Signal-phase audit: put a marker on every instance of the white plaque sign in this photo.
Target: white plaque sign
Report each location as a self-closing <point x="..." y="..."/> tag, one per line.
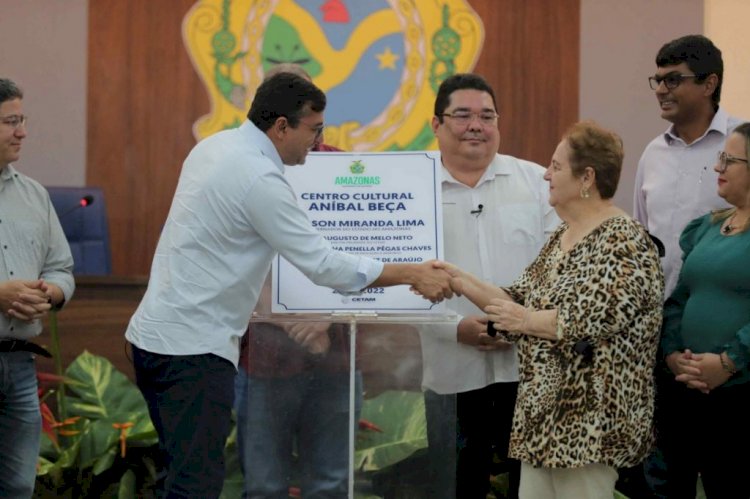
<point x="385" y="206"/>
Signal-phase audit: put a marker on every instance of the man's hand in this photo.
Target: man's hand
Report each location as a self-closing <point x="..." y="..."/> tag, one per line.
<point x="24" y="300"/>
<point x="472" y="330"/>
<point x="313" y="336"/>
<point x="458" y="277"/>
<point x="432" y="283"/>
<point x="507" y="315"/>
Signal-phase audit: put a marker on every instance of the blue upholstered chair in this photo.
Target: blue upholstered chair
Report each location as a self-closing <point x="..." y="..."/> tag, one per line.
<point x="83" y="216"/>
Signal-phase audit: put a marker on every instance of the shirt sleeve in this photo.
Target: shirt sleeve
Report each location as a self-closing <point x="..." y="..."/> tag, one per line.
<point x="739" y="348"/>
<point x="287" y="229"/>
<point x="671" y="340"/>
<point x="671" y="337"/>
<point x="446" y="332"/>
<point x="639" y="199"/>
<point x="58" y="263"/>
<point x="625" y="280"/>
<point x="521" y="287"/>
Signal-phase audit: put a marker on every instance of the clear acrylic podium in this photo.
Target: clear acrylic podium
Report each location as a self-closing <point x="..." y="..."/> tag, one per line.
<point x="386" y="430"/>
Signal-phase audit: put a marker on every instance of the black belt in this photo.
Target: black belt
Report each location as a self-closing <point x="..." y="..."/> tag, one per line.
<point x="23" y="346"/>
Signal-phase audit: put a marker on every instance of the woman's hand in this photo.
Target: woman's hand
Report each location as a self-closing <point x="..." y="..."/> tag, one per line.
<point x="700" y="371"/>
<point x="678" y="363"/>
<point x="507" y="315"/>
<point x="472" y="331"/>
<point x="710" y="373"/>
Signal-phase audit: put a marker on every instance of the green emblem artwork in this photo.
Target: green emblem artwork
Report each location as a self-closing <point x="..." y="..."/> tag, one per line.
<point x="357" y="167"/>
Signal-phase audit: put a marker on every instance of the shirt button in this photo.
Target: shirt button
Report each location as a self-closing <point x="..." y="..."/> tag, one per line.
<point x="11" y="272"/>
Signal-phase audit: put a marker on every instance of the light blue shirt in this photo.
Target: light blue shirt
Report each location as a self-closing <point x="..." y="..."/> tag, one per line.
<point x="676" y="183"/>
<point x="233" y="210"/>
<point x="32" y="244"/>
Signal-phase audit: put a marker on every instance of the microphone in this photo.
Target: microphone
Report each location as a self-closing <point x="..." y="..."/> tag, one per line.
<point x="85" y="201"/>
<point x="478" y="210"/>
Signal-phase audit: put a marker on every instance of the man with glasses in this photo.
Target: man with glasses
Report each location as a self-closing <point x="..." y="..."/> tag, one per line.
<point x="496" y="217"/>
<point x="36" y="274"/>
<point x="232" y="212"/>
<point x="292" y="393"/>
<point x="675" y="181"/>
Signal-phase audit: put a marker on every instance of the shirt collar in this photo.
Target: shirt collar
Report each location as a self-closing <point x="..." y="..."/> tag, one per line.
<point x="8" y="173"/>
<point x="719" y="123"/>
<point x="254" y="134"/>
<point x="495" y="168"/>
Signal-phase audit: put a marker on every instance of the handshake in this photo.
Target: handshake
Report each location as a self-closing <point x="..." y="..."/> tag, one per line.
<point x="436" y="280"/>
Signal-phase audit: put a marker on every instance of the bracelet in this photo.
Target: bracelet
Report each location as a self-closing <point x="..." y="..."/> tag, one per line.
<point x="725" y="364"/>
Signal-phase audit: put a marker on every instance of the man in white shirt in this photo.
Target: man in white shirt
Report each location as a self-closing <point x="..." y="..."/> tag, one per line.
<point x="676" y="183"/>
<point x="496" y="217"/>
<point x="233" y="210"/>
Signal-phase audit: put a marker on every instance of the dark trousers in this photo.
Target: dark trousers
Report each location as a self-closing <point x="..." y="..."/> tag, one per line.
<point x="464" y="431"/>
<point x="190" y="400"/>
<point x="707" y="434"/>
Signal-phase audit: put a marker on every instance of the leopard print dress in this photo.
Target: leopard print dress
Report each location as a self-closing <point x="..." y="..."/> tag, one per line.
<point x="588" y="397"/>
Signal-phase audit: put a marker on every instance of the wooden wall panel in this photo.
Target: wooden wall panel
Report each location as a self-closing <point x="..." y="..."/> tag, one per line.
<point x="531" y="58"/>
<point x="144" y="96"/>
<point x="143" y="99"/>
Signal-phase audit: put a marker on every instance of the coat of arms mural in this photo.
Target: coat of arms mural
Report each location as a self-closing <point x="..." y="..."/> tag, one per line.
<point x="380" y="62"/>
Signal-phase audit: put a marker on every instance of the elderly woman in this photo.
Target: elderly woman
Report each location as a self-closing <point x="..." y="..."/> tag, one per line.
<point x="586" y="316"/>
<point x="706" y="341"/>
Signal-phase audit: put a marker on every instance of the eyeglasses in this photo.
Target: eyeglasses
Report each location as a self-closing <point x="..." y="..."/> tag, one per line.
<point x="671" y="80"/>
<point x="317" y="129"/>
<point x="725" y="160"/>
<point x="14" y="120"/>
<point x="463" y="118"/>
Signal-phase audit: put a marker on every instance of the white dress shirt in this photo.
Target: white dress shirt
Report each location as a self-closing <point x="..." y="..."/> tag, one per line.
<point x="676" y="183"/>
<point x="232" y="212"/>
<point x="496" y="245"/>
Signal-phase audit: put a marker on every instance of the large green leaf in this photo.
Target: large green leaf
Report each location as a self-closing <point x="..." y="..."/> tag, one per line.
<point x="101" y="398"/>
<point x="127" y="487"/>
<point x="401" y="416"/>
<point x="67" y="458"/>
<point x="101" y="391"/>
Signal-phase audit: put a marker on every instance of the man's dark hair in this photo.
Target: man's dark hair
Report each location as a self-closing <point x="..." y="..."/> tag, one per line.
<point x="284" y="94"/>
<point x="9" y="90"/>
<point x="700" y="54"/>
<point x="460" y="81"/>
